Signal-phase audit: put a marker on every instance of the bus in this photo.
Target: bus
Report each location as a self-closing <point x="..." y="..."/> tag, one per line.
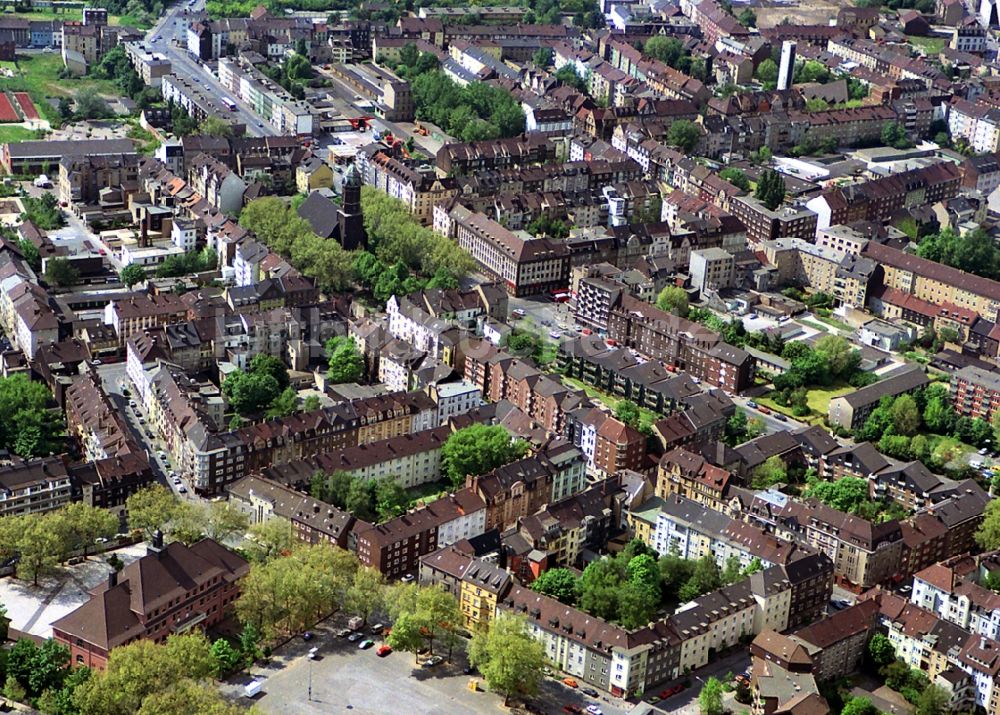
<point x="230" y="104"/>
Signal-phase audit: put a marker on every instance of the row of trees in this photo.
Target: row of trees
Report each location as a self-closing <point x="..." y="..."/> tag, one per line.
<point x="475" y="112"/>
<point x="281" y="229"/>
<point x="904" y="427"/>
<point x="156" y="508"/>
<point x="28" y="428"/>
<point x="631" y="587"/>
<point x="367" y="499"/>
<point x="40" y="541"/>
<point x="974" y="252"/>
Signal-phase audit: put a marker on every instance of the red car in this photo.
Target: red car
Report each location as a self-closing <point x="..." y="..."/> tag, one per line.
<point x="383" y="651"/>
<point x="572" y="708"/>
<point x="673" y="690"/>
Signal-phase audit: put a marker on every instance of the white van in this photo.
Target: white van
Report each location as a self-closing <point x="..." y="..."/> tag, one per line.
<point x="253" y="688"/>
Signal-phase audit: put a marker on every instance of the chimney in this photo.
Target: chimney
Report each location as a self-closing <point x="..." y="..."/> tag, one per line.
<point x="112" y="579"/>
<point x="156" y="547"/>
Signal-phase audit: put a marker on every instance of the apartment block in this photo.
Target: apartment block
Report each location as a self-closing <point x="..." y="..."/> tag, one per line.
<point x="975" y="392"/>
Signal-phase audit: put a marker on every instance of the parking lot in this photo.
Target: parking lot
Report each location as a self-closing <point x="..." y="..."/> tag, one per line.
<point x="347" y="679"/>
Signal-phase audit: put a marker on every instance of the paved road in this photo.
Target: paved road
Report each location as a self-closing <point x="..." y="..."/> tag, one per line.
<point x="772" y="423"/>
<point x="114" y="378"/>
<point x="173" y="25"/>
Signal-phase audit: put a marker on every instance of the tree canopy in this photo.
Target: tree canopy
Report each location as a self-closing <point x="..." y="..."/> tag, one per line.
<point x="28" y="428"/>
<point x="477" y="449"/>
<point x="346" y="364"/>
<point x="673" y="299"/>
<point x="770" y="189"/>
<point x="509" y="658"/>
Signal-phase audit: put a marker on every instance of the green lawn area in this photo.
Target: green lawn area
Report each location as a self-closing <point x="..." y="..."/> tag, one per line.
<point x="75" y="15"/>
<point x="16" y="134"/>
<point x="817" y="326"/>
<point x="930" y="45"/>
<point x="426" y="493"/>
<point x="818" y="399"/>
<point x="646" y="415"/>
<point x="833" y="322"/>
<point x="38" y="75"/>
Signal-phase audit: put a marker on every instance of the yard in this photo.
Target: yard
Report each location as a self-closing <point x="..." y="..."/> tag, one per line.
<point x="77" y="15"/>
<point x="646" y="415"/>
<point x="17" y="134"/>
<point x="38" y="75"/>
<point x="818" y="399"/>
<point x="928" y="45"/>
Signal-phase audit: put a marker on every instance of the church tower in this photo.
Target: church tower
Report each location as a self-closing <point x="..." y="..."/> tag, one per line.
<point x="352" y="226"/>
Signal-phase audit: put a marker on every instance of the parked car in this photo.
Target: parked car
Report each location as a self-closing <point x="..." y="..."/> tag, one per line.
<point x="377" y="628"/>
<point x="354" y="637"/>
<point x="408" y="578"/>
<point x="572" y="708"/>
<point x="780" y="417"/>
<point x="764" y="410"/>
<point x="433" y="661"/>
<point x="570" y="682"/>
<point x="517" y="313"/>
<point x="383" y="651"/>
<point x="366" y="644"/>
<point x="594" y="710"/>
<point x="343" y="633"/>
<point x="589" y="692"/>
<point x="182" y="489"/>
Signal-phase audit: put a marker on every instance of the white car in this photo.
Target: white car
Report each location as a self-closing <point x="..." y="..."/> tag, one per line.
<point x="594" y="710"/>
<point x="177" y="480"/>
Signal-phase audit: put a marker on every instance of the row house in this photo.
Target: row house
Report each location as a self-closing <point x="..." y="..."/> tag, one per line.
<point x="222" y="188"/>
<point x="35" y="486"/>
<point x="935" y="282"/>
<point x="975" y="122"/>
<point x="845" y="277"/>
<point x="312" y="521"/>
<point x="879" y="199"/>
<point x="500" y="376"/>
<point x="682" y="344"/>
<point x="523" y="487"/>
<point x="951" y="591"/>
<point x="609" y="444"/>
<point x="524" y="265"/>
<point x="686" y="528"/>
<point x="418" y="187"/>
<point x="764" y="224"/>
<point x="558" y="534"/>
<point x="496" y="154"/>
<point x="394" y="548"/>
<point x="689" y="475"/>
<point x="864" y="554"/>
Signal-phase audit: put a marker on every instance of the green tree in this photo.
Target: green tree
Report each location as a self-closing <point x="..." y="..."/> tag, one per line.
<point x="40" y="546"/>
<point x="509" y="658"/>
<point x="771" y="472"/>
<point x="215" y="127"/>
<point x="286" y="403"/>
<point x="270" y="539"/>
<point x="684" y="134"/>
<point x="249" y="392"/>
<point x="542" y="57"/>
<point x="767" y="73"/>
<point x="406" y="634"/>
<point x="837" y="353"/>
<point x="770" y="189"/>
<point x="30" y="253"/>
<point x="132" y="274"/>
<point x="939" y="416"/>
<point x="91" y="105"/>
<point x="934" y="700"/>
<point x="61" y="273"/>
<point x="736" y="177"/>
<point x="880" y="650"/>
<point x="905" y="415"/>
<point x="568" y="76"/>
<point x="600" y="586"/>
<point x="706" y="577"/>
<point x="674" y="573"/>
<point x="673" y="299"/>
<point x="151" y="509"/>
<point x="345" y="360"/>
<point x="144" y="670"/>
<point x="264" y="364"/>
<point x="859" y="706"/>
<point x="477" y="449"/>
<point x="225" y="658"/>
<point x="84" y="524"/>
<point x="225" y="521"/>
<point x="988" y="533"/>
<point x="189" y="696"/>
<point x="894" y="134"/>
<point x="628" y="412"/>
<point x="366" y="594"/>
<point x="560" y="583"/>
<point x="391" y="499"/>
<point x="710" y="697"/>
<point x="847" y="494"/>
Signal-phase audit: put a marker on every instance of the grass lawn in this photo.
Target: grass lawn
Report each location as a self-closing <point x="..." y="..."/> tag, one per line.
<point x="833" y="322"/>
<point x="76" y="15"/>
<point x="426" y="493"/>
<point x="610" y="401"/>
<point x="16" y="134"/>
<point x="819" y="398"/>
<point x="816" y="326"/>
<point x="930" y="45"/>
<point x="38" y="75"/>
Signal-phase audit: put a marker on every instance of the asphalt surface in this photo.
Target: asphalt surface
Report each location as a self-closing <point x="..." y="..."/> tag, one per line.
<point x="114" y="378"/>
<point x="173" y="25"/>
